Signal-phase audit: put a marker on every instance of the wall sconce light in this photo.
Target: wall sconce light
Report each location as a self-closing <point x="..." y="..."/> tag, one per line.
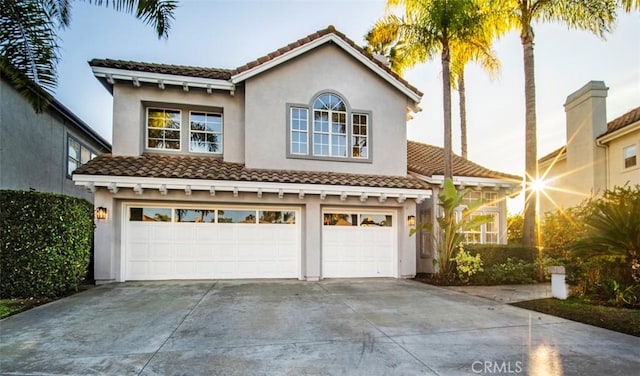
<point x="411" y="220"/>
<point x="101" y="213"/>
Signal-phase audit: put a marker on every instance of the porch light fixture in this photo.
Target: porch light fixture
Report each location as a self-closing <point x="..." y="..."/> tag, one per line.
<point x="411" y="220"/>
<point x="101" y="213"/>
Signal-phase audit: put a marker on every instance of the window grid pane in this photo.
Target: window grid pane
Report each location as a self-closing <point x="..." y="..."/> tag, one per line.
<point x="630" y="156"/>
<point x="330" y="126"/>
<point x="205" y="132"/>
<point x="359" y="139"/>
<point x="163" y="129"/>
<point x="299" y="134"/>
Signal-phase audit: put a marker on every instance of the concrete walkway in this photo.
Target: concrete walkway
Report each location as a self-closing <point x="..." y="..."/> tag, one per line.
<point x="334" y="327"/>
<point x="507" y="293"/>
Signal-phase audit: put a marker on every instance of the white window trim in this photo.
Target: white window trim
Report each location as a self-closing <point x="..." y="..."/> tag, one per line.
<point x="353" y="136"/>
<point x="146" y="129"/>
<point x="206" y="132"/>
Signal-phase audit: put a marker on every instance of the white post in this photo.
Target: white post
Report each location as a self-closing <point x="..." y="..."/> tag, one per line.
<point x="558" y="285"/>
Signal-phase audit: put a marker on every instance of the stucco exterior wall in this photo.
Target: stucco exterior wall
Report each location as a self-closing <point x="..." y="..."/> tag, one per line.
<point x="109" y="257"/>
<point x="33" y="147"/>
<point x="618" y="174"/>
<point x="129" y="116"/>
<point x="327" y="68"/>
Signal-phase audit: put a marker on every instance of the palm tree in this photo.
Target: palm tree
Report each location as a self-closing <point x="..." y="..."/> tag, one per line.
<point x="594" y="15"/>
<point x="425" y="28"/>
<point x="29" y="38"/>
<point x="384" y="40"/>
<point x="630" y="5"/>
<point x="478" y="49"/>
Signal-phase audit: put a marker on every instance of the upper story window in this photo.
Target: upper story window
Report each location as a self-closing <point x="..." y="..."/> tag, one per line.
<point x="205" y="132"/>
<point x="329" y="129"/>
<point x="630" y="155"/>
<point x="163" y="128"/>
<point x="77" y="154"/>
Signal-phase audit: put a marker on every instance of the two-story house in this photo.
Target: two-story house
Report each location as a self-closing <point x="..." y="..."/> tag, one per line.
<point x="291" y="166"/>
<point x="40" y="151"/>
<point x="598" y="155"/>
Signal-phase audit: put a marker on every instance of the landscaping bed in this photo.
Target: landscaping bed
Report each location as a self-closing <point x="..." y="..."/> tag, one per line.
<point x="10" y="307"/>
<point x="623" y="320"/>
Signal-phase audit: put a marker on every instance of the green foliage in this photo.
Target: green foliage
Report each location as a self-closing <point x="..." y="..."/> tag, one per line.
<point x="512" y="271"/>
<point x="515" y="226"/>
<point x="467" y="265"/>
<point x="562" y="228"/>
<point x="45" y="243"/>
<point x="451" y="230"/>
<point x="498" y="253"/>
<point x="613" y="228"/>
<point x="619" y="295"/>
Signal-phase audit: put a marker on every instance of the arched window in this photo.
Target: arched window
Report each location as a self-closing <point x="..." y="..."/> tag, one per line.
<point x="329" y="126"/>
<point x="332" y="130"/>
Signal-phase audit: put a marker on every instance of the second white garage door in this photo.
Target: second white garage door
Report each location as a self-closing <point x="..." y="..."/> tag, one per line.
<point x="357" y="243"/>
<point x="186" y="242"/>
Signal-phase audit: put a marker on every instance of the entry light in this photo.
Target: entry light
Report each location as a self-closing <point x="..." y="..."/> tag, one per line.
<point x="101" y="213"/>
<point x="411" y="220"/>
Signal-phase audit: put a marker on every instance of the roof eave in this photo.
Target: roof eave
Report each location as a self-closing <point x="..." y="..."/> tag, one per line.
<point x="110" y="75"/>
<point x="608" y="137"/>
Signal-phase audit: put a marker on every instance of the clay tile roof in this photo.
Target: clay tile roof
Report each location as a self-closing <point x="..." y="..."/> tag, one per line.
<point x="428" y="160"/>
<point x="180" y="70"/>
<point x="622" y="121"/>
<point x="318" y="34"/>
<point x="207" y="168"/>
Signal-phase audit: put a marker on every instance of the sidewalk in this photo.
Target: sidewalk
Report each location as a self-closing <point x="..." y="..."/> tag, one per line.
<point x="506" y="293"/>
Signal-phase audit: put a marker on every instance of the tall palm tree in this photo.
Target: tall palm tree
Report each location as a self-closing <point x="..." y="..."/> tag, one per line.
<point x="425" y="28"/>
<point x="477" y="49"/>
<point x="29" y="38"/>
<point x="384" y="40"/>
<point x="593" y="15"/>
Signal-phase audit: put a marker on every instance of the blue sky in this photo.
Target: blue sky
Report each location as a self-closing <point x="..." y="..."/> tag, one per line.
<point x="227" y="34"/>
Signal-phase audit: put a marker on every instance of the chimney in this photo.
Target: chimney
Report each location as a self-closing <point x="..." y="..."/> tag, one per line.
<point x="586" y="113"/>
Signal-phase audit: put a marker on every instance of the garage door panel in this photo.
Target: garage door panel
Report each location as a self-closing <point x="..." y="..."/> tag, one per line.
<point x="187" y="250"/>
<point x="349" y="250"/>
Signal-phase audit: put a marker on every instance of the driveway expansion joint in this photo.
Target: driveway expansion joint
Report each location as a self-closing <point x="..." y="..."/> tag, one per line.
<point x="177" y="327"/>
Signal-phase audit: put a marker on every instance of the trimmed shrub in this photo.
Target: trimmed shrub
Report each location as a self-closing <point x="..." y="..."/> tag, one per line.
<point x="45" y="243"/>
<point x="492" y="254"/>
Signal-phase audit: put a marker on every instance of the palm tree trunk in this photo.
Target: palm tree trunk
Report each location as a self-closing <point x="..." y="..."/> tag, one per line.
<point x="463" y="115"/>
<point x="446" y="91"/>
<point x="531" y="144"/>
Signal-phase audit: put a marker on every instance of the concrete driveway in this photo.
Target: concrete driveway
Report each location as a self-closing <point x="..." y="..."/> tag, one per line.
<point x="356" y="327"/>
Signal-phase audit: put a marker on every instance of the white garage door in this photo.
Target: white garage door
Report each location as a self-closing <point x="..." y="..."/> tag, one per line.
<point x="182" y="242"/>
<point x="358" y="243"/>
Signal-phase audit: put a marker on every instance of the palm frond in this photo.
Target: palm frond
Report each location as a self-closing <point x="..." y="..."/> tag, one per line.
<point x="28" y="39"/>
<point x="596" y="16"/>
<point x="158" y="13"/>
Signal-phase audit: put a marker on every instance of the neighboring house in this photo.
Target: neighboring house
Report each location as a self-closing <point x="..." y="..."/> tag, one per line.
<point x="39" y="151"/>
<point x="291" y="166"/>
<point x="597" y="156"/>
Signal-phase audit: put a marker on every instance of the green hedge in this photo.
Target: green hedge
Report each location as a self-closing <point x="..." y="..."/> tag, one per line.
<point x="492" y="254"/>
<point x="45" y="243"/>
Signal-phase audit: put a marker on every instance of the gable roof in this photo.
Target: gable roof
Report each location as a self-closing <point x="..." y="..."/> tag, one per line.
<point x="428" y="160"/>
<point x="208" y="168"/>
<point x="268" y="61"/>
<point x="554" y="154"/>
<point x="622" y="121"/>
